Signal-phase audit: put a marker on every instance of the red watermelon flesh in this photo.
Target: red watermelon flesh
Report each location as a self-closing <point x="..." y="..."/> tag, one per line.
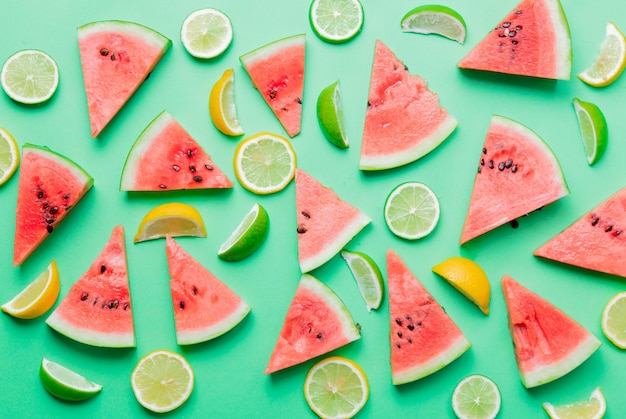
<point x="277" y="72"/>
<point x="97" y="310"/>
<point x="596" y="241"/>
<point x="166" y="157"/>
<point x="548" y="343"/>
<point x="404" y="120"/>
<point x="116" y="58"/>
<point x="423" y="337"/>
<point x="532" y="40"/>
<point x="49" y="187"/>
<point x="517" y="174"/>
<point x="326" y="223"/>
<point x="316" y="323"/>
<point x="204" y="307"/>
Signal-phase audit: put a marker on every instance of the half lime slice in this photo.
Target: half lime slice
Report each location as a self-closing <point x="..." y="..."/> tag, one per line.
<point x="593" y="129"/>
<point x="247" y="237"/>
<point x="330" y="115"/>
<point x="435" y="19"/>
<point x="594" y="408"/>
<point x="336" y="21"/>
<point x="367" y="276"/>
<point x="64" y="383"/>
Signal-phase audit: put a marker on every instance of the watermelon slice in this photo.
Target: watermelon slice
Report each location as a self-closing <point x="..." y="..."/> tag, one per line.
<point x="204" y="307"/>
<point x="316" y="323"/>
<point x="166" y="157"/>
<point x="116" y="57"/>
<point x="325" y="222"/>
<point x="97" y="310"/>
<point x="517" y="174"/>
<point x="596" y="241"/>
<point x="277" y="72"/>
<point x="548" y="343"/>
<point x="404" y="120"/>
<point x="50" y="185"/>
<point x="532" y="40"/>
<point x="423" y="337"/>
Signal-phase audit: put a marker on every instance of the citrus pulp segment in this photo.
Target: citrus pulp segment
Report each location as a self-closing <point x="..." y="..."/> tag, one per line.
<point x="330" y="115"/>
<point x="9" y="156"/>
<point x="594" y="408"/>
<point x="222" y="106"/>
<point x="610" y="61"/>
<point x="614" y="320"/>
<point x="38" y="296"/>
<point x="247" y="237"/>
<point x="412" y="210"/>
<point x="467" y="277"/>
<point x="435" y="19"/>
<point x="30" y="76"/>
<point x="206" y="33"/>
<point x="336" y="21"/>
<point x="593" y="129"/>
<point x="174" y="219"/>
<point x="367" y="276"/>
<point x="66" y="384"/>
<point x="476" y="397"/>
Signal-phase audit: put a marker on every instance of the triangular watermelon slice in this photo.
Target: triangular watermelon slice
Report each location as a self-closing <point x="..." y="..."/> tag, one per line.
<point x="316" y="323"/>
<point x="97" y="310"/>
<point x="404" y="120"/>
<point x="277" y="72"/>
<point x="596" y="241"/>
<point x="422" y="336"/>
<point x="204" y="307"/>
<point x="166" y="157"/>
<point x="548" y="343"/>
<point x="532" y="40"/>
<point x="49" y="186"/>
<point x="517" y="174"/>
<point x="116" y="57"/>
<point x="326" y="223"/>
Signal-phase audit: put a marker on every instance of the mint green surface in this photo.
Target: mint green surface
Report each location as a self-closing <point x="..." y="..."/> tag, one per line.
<point x="229" y="370"/>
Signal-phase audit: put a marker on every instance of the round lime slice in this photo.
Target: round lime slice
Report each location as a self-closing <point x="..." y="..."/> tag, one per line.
<point x="367" y="276"/>
<point x="614" y="320"/>
<point x="435" y="19"/>
<point x="330" y="115"/>
<point x="247" y="237"/>
<point x="336" y="21"/>
<point x="593" y="129"/>
<point x="412" y="210"/>
<point x="206" y="33"/>
<point x="65" y="384"/>
<point x="476" y="397"/>
<point x="30" y="77"/>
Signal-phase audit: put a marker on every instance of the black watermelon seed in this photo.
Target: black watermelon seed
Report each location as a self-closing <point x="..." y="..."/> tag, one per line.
<point x="84" y="296"/>
<point x="501" y="166"/>
<point x="197" y="178"/>
<point x="514" y="168"/>
<point x="508" y="163"/>
<point x="49" y="228"/>
<point x="514" y="223"/>
<point x="491" y="165"/>
<point x="301" y="229"/>
<point x="609" y="228"/>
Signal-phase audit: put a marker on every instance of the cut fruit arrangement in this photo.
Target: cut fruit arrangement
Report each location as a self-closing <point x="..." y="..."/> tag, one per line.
<point x="517" y="173"/>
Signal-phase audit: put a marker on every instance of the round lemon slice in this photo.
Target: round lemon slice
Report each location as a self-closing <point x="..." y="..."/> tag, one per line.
<point x="38" y="296"/>
<point x="222" y="106"/>
<point x="611" y="60"/>
<point x="173" y="219"/>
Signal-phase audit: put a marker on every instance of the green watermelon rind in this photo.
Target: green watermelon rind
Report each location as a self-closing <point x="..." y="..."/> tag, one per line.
<point x="108" y="340"/>
<point x="564" y="40"/>
<point x="80" y="173"/>
<point x="202" y="335"/>
<point x="272" y="48"/>
<point x="147" y="34"/>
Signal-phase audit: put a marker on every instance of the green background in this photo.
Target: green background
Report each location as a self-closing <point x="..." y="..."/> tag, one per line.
<point x="229" y="370"/>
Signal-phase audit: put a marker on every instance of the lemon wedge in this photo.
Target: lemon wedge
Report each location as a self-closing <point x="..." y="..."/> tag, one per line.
<point x="38" y="296"/>
<point x="222" y="105"/>
<point x="611" y="60"/>
<point x="468" y="278"/>
<point x="174" y="219"/>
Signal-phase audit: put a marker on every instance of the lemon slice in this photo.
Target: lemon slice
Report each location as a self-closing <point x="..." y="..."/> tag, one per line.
<point x="222" y="105"/>
<point x="9" y="156"/>
<point x="336" y="21"/>
<point x="162" y="381"/>
<point x="412" y="210"/>
<point x="593" y="129"/>
<point x="206" y="33"/>
<point x="64" y="383"/>
<point x="330" y="115"/>
<point x="336" y="388"/>
<point x="265" y="163"/>
<point x="30" y="77"/>
<point x="435" y="19"/>
<point x="174" y="219"/>
<point x="610" y="62"/>
<point x="38" y="296"/>
<point x="614" y="320"/>
<point x="476" y="397"/>
<point x="368" y="277"/>
<point x="594" y="408"/>
<point x="247" y="237"/>
<point x="468" y="278"/>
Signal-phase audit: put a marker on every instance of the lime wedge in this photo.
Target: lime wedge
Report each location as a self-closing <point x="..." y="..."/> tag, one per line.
<point x="594" y="408"/>
<point x="610" y="62"/>
<point x="247" y="237"/>
<point x="38" y="296"/>
<point x="435" y="19"/>
<point x="476" y="397"/>
<point x="222" y="105"/>
<point x="206" y="33"/>
<point x="330" y="115"/>
<point x="412" y="210"/>
<point x="614" y="320"/>
<point x="9" y="156"/>
<point x="367" y="276"/>
<point x="30" y="77"/>
<point x="336" y="21"/>
<point x="64" y="383"/>
<point x="593" y="129"/>
<point x="174" y="219"/>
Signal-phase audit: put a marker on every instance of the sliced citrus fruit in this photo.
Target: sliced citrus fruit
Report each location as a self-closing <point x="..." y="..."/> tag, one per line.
<point x="38" y="296"/>
<point x="611" y="60"/>
<point x="467" y="277"/>
<point x="336" y="21"/>
<point x="336" y="388"/>
<point x="265" y="163"/>
<point x="247" y="237"/>
<point x="594" y="408"/>
<point x="330" y="115"/>
<point x="222" y="105"/>
<point x="30" y="76"/>
<point x="64" y="383"/>
<point x="436" y="19"/>
<point x="174" y="219"/>
<point x="411" y="210"/>
<point x="476" y="397"/>
<point x="162" y="381"/>
<point x="367" y="276"/>
<point x="206" y="33"/>
<point x="614" y="320"/>
<point x="9" y="156"/>
<point x="593" y="129"/>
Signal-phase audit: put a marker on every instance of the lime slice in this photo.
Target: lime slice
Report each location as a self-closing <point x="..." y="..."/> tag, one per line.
<point x="610" y="62"/>
<point x="367" y="276"/>
<point x="476" y="397"/>
<point x="38" y="296"/>
<point x="162" y="381"/>
<point x="9" y="156"/>
<point x="330" y="115"/>
<point x="173" y="219"/>
<point x="336" y="388"/>
<point x="614" y="320"/>
<point x="336" y="21"/>
<point x="64" y="383"/>
<point x="222" y="105"/>
<point x="435" y="19"/>
<point x="593" y="129"/>
<point x="468" y="278"/>
<point x="265" y="163"/>
<point x="594" y="408"/>
<point x="411" y="210"/>
<point x="30" y="76"/>
<point x="206" y="33"/>
<point x="247" y="237"/>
